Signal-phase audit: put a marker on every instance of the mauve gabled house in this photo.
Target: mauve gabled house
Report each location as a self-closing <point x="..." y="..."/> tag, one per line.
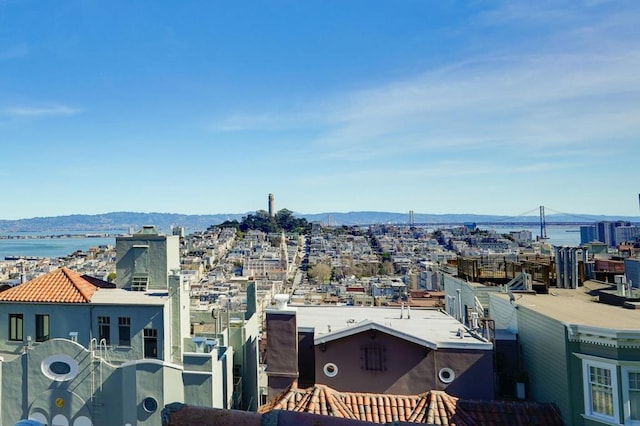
<point x="377" y="350"/>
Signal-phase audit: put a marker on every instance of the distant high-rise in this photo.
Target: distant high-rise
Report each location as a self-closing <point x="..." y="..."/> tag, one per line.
<point x="272" y="210"/>
<point x="606" y="231"/>
<point x="587" y="234"/>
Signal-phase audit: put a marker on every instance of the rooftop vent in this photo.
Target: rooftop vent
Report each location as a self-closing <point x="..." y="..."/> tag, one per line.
<point x="281" y="301"/>
<point x="148" y="229"/>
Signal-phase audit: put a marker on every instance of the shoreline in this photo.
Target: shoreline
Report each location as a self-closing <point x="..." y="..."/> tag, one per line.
<point x="59" y="236"/>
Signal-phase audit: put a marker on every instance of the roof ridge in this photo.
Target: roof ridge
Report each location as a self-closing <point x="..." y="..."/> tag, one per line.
<point x="80" y="284"/>
<point x="432" y="407"/>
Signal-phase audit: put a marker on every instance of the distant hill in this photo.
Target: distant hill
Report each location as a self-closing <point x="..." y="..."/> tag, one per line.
<point x="122" y="221"/>
<point x="114" y="222"/>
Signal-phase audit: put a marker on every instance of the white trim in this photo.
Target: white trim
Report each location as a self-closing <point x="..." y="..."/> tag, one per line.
<point x="45" y="366"/>
<point x="196" y="372"/>
<point x="602" y="421"/>
<point x="603" y="336"/>
<point x="371" y="325"/>
<point x="199" y="354"/>
<point x="587" y="363"/>
<point x="152" y="361"/>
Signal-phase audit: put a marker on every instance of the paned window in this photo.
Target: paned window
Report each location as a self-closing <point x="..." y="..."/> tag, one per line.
<point x="373" y="357"/>
<point x="150" y="343"/>
<point x="601" y="393"/>
<point x="104" y="329"/>
<point x="124" y="331"/>
<point x="42" y="328"/>
<point x="631" y="379"/>
<point x="634" y="394"/>
<point x="15" y="327"/>
<point x="601" y="389"/>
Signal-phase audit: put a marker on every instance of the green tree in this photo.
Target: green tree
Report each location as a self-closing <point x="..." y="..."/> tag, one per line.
<point x="282" y="220"/>
<point x="111" y="277"/>
<point x="320" y="272"/>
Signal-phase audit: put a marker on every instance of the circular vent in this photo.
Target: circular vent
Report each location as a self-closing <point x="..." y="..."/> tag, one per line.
<point x="330" y="369"/>
<point x="446" y="375"/>
<point x="149" y="404"/>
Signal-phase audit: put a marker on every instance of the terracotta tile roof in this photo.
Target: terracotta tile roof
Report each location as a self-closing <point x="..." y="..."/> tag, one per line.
<point x="60" y="286"/>
<point x="434" y="407"/>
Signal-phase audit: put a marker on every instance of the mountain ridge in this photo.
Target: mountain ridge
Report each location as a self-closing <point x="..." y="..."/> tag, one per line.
<point x="122" y="221"/>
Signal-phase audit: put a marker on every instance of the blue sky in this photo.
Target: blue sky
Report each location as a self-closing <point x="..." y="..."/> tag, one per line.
<point x="201" y="107"/>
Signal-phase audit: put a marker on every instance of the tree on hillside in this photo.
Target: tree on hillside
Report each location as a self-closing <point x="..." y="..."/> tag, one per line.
<point x="259" y="221"/>
<point x="226" y="224"/>
<point x="282" y="220"/>
<point x="320" y="272"/>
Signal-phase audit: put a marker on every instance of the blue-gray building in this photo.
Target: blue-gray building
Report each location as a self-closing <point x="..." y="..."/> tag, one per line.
<point x="80" y="351"/>
<point x="145" y="259"/>
<point x="632" y="271"/>
<point x="587" y="234"/>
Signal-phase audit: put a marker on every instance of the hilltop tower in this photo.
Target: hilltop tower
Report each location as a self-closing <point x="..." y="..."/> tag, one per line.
<point x="272" y="210"/>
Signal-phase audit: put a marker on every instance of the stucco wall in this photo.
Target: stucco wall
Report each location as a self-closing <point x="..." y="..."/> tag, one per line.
<point x="162" y="256"/>
<point x="410" y="368"/>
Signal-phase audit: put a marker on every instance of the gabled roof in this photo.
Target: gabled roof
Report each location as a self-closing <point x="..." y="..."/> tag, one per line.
<point x="367" y="325"/>
<point x="434" y="407"/>
<point x="427" y="327"/>
<point x="60" y="286"/>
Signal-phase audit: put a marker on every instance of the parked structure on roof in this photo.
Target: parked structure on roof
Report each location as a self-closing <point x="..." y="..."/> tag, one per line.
<point x="145" y="259"/>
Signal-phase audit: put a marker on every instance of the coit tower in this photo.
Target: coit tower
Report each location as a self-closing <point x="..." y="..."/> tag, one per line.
<point x="272" y="210"/>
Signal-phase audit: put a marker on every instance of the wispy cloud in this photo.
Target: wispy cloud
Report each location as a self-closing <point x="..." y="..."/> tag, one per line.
<point x="579" y="85"/>
<point x="41" y="111"/>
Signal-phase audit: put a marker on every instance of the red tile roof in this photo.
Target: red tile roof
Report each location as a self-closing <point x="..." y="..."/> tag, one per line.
<point x="60" y="286"/>
<point x="434" y="407"/>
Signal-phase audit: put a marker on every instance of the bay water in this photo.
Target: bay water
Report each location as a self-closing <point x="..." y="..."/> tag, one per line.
<point x="33" y="245"/>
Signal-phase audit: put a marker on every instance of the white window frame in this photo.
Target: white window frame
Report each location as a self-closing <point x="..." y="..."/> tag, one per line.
<point x="626" y="369"/>
<point x="588" y="362"/>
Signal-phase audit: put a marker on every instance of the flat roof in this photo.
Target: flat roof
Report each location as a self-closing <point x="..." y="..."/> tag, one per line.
<point x="577" y="306"/>
<point x="429" y="327"/>
<point x="118" y="296"/>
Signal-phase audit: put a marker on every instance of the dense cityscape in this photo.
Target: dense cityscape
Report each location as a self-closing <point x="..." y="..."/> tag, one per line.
<point x="323" y="213"/>
<point x="267" y="313"/>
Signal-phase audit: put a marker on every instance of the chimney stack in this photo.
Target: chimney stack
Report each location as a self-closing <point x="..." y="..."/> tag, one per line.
<point x="282" y="346"/>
